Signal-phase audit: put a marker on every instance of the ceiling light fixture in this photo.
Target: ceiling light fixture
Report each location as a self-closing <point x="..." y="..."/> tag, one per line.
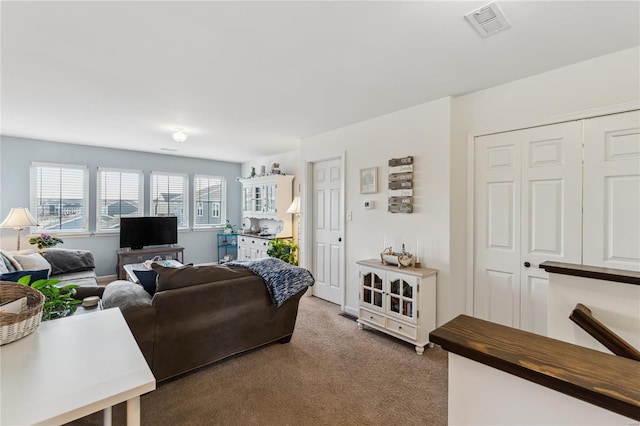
<point x="179" y="135"/>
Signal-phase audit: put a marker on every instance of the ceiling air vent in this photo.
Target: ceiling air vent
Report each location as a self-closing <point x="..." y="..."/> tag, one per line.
<point x="488" y="20"/>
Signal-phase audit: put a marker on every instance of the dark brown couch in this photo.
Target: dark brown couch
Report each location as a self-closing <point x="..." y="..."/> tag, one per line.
<point x="199" y="315"/>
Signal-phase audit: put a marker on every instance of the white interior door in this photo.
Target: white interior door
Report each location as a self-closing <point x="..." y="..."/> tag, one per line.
<point x="551" y="225"/>
<point x="528" y="210"/>
<point x="497" y="227"/>
<point x="327" y="230"/>
<point x="612" y="191"/>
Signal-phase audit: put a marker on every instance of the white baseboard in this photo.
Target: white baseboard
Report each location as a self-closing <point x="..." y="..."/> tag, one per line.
<point x="351" y="311"/>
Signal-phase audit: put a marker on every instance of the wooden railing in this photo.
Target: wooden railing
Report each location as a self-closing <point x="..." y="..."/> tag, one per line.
<point x="602" y="379"/>
<point x="582" y="316"/>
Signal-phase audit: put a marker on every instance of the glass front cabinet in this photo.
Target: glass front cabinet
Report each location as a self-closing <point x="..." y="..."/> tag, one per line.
<point x="400" y="302"/>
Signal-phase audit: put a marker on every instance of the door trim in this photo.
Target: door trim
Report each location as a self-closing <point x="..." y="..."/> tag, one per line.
<point x="471" y="136"/>
<point x="307" y="219"/>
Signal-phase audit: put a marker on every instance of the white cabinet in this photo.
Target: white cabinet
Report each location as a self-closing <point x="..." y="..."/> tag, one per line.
<point x="399" y="302"/>
<point x="266" y="196"/>
<point x="251" y="248"/>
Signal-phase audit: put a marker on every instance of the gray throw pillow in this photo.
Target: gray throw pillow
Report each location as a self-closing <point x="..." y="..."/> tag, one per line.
<point x="125" y="295"/>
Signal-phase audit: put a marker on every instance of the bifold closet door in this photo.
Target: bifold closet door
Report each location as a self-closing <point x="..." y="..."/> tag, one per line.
<point x="527" y="210"/>
<point x="612" y="191"/>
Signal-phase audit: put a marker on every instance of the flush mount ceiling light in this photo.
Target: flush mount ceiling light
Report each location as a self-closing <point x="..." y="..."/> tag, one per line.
<point x="488" y="20"/>
<point x="179" y="135"/>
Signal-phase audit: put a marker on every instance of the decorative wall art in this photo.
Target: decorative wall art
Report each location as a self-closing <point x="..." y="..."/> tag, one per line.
<point x="369" y="180"/>
<point x="401" y="185"/>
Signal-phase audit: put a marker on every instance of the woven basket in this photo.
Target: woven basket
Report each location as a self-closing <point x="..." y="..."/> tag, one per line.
<point x="17" y="326"/>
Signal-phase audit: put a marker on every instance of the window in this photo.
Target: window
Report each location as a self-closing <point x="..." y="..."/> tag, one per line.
<point x="215" y="209"/>
<point x="199" y="209"/>
<point x="59" y="197"/>
<point x="119" y="195"/>
<point x="210" y="191"/>
<point x="169" y="197"/>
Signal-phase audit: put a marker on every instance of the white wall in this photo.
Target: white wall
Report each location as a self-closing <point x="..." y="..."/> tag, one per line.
<point x="424" y="133"/>
<point x="436" y="133"/>
<point x="604" y="81"/>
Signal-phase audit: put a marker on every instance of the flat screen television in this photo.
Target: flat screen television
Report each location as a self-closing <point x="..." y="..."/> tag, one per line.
<point x="138" y="232"/>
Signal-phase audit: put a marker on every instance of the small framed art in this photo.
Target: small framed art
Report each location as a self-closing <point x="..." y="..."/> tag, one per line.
<point x="369" y="180"/>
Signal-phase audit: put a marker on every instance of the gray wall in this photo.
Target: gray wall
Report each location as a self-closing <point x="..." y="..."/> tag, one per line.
<point x="16" y="155"/>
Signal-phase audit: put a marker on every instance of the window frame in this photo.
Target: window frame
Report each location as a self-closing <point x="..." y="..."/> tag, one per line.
<point x="223" y="202"/>
<point x="141" y="205"/>
<point x="185" y="196"/>
<point x="34" y="197"/>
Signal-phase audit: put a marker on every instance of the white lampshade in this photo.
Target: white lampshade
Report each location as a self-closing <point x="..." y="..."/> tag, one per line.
<point x="19" y="217"/>
<point x="294" y="208"/>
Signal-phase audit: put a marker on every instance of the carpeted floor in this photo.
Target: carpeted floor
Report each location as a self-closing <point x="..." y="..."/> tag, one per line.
<point x="330" y="373"/>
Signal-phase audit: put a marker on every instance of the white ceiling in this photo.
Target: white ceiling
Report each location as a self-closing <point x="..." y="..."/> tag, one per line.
<point x="249" y="79"/>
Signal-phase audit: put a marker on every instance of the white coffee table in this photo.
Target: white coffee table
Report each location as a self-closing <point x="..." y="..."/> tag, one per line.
<point x="71" y="367"/>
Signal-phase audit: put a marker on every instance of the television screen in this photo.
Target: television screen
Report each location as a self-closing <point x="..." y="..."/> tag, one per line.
<point x="138" y="232"/>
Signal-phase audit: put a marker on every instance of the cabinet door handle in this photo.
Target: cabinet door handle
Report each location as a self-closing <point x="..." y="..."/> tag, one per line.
<point x="527" y="264"/>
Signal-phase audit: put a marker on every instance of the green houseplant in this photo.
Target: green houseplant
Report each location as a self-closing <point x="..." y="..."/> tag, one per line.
<point x="58" y="301"/>
<point x="45" y="240"/>
<point x="283" y="250"/>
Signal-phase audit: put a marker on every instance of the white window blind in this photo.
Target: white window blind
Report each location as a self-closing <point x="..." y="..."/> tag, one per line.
<point x="210" y="191"/>
<point x="59" y="197"/>
<point x="119" y="195"/>
<point x="169" y="197"/>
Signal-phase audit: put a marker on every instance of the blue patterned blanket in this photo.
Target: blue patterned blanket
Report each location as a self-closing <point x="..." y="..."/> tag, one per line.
<point x="282" y="280"/>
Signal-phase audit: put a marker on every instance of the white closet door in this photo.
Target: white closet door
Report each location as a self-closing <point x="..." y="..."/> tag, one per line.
<point x="497" y="228"/>
<point x="612" y="191"/>
<point x="551" y="226"/>
<point x="527" y="210"/>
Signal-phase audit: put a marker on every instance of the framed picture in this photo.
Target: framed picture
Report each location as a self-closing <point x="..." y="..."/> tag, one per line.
<point x="369" y="180"/>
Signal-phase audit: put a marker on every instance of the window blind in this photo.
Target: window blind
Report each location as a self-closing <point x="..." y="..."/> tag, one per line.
<point x="169" y="197"/>
<point x="119" y="195"/>
<point x="59" y="197"/>
<point x="209" y="196"/>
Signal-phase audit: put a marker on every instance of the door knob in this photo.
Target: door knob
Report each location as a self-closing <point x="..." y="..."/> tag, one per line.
<point x="340" y="239"/>
<point x="527" y="264"/>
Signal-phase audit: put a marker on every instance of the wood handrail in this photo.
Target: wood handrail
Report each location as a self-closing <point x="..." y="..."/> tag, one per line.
<point x="601" y="379"/>
<point x="583" y="317"/>
<point x="595" y="272"/>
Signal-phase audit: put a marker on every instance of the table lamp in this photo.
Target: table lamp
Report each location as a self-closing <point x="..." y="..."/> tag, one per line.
<point x="18" y="219"/>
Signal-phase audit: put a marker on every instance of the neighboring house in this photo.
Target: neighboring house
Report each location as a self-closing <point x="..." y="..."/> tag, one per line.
<point x="121" y="208"/>
<point x="168" y="204"/>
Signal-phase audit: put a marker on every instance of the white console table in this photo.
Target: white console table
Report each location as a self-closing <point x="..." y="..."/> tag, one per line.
<point x="71" y="367"/>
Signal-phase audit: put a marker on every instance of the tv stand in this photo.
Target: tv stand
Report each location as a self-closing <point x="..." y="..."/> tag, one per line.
<point x="126" y="256"/>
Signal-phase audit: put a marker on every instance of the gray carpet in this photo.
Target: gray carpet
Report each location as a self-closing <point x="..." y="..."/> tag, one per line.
<point x="330" y="373"/>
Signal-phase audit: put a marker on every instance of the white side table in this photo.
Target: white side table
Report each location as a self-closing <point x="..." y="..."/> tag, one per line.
<point x="71" y="367"/>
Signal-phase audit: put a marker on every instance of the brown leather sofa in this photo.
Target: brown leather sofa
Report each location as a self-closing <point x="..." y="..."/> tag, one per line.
<point x="200" y="315"/>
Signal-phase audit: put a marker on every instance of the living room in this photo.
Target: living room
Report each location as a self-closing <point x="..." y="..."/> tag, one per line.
<point x="563" y="81"/>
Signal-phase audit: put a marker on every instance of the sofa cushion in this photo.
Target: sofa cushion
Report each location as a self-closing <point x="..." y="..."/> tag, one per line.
<point x="125" y="295"/>
<point x="36" y="275"/>
<point x="32" y="262"/>
<point x="172" y="278"/>
<point x="148" y="279"/>
<point x="64" y="261"/>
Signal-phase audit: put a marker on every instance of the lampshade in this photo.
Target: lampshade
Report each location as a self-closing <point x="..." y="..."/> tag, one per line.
<point x="294" y="208"/>
<point x="19" y="217"/>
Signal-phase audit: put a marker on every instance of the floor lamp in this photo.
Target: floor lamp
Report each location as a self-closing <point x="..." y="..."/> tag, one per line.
<point x="294" y="208"/>
<point x="18" y="219"/>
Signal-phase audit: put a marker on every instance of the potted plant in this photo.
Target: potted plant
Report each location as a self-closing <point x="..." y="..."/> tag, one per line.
<point x="44" y="241"/>
<point x="58" y="301"/>
<point x="228" y="228"/>
<point x="283" y="250"/>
